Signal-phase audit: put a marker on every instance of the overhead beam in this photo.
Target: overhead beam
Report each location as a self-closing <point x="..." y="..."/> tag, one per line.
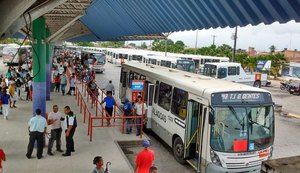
<point x="62" y="29"/>
<point x="67" y="9"/>
<point x="77" y="3"/>
<point x="35" y="13"/>
<point x="10" y="11"/>
<point x="61" y="14"/>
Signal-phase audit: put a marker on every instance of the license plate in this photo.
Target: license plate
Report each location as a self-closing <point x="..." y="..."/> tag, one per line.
<point x="292" y="90"/>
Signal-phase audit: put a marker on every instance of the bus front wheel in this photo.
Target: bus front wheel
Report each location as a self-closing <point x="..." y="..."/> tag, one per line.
<point x="178" y="150"/>
<point x="257" y="84"/>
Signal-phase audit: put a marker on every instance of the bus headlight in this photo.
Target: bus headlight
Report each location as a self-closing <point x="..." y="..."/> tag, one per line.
<point x="215" y="158"/>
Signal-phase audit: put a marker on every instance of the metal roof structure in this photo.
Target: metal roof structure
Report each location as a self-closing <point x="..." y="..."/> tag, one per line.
<point x="104" y="20"/>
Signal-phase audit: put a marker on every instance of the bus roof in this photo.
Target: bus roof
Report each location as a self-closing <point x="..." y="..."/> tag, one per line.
<point x="92" y="51"/>
<point x="224" y="63"/>
<point x="194" y="83"/>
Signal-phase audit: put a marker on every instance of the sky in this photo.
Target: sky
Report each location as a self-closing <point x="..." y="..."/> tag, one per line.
<point x="261" y="36"/>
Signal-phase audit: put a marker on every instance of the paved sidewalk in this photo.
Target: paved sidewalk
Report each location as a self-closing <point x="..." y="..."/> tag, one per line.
<point x="14" y="139"/>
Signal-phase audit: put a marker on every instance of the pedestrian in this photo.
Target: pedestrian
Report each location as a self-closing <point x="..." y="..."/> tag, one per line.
<point x="140" y="109"/>
<point x="37" y="127"/>
<point x="144" y="159"/>
<point x="61" y="69"/>
<point x="13" y="94"/>
<point x="63" y="82"/>
<point x="57" y="82"/>
<point x="5" y="103"/>
<point x="70" y="124"/>
<point x="19" y="83"/>
<point x="98" y="161"/>
<point x="110" y="88"/>
<point x="54" y="119"/>
<point x="2" y="158"/>
<point x="127" y="108"/>
<point x="109" y="106"/>
<point x="153" y="169"/>
<point x="72" y="85"/>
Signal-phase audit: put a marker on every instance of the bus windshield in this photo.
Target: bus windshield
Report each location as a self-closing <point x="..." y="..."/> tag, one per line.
<point x="210" y="70"/>
<point x="100" y="59"/>
<point x="242" y="129"/>
<point x="186" y="65"/>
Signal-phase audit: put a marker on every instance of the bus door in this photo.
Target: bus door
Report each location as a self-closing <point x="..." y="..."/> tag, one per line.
<point x="150" y="96"/>
<point x="192" y="140"/>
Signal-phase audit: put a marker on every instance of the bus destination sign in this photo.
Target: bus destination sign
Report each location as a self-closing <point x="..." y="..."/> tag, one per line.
<point x="241" y="97"/>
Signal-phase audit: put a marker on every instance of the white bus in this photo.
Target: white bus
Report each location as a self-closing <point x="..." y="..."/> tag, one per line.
<point x="95" y="60"/>
<point x="171" y="62"/>
<point x="214" y="125"/>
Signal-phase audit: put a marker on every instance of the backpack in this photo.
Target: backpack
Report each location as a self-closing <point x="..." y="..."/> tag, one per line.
<point x="127" y="110"/>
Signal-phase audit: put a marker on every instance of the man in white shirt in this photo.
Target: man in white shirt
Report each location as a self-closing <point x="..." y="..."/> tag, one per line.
<point x="140" y="109"/>
<point x="61" y="69"/>
<point x="110" y="88"/>
<point x="54" y="119"/>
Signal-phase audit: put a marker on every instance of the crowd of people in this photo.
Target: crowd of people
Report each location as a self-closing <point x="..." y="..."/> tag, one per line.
<point x="17" y="84"/>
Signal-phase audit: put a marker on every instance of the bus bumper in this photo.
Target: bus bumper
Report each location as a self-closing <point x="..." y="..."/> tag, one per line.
<point x="212" y="168"/>
<point x="100" y="70"/>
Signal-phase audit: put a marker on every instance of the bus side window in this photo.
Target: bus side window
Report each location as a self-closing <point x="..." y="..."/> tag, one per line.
<point x="231" y="71"/>
<point x="130" y="79"/>
<point x="123" y="78"/>
<point x="156" y="92"/>
<point x="179" y="103"/>
<point x="165" y="93"/>
<point x="222" y="73"/>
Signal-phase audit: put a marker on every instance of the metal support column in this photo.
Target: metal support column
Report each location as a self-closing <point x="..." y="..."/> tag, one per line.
<point x="48" y="67"/>
<point x="39" y="65"/>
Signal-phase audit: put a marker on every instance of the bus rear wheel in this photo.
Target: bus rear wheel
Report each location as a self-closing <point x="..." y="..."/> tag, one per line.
<point x="257" y="84"/>
<point x="178" y="150"/>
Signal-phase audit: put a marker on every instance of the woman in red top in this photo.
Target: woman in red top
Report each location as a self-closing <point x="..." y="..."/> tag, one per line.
<point x="2" y="157"/>
<point x="57" y="83"/>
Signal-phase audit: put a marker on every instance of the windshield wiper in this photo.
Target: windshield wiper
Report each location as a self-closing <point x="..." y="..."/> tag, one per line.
<point x="237" y="118"/>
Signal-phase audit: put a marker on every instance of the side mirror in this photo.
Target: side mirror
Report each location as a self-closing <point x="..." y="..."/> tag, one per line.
<point x="211" y="118"/>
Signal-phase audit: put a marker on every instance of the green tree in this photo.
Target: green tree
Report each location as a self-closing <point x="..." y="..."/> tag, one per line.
<point x="9" y="41"/>
<point x="178" y="46"/>
<point x="85" y="44"/>
<point x="113" y="44"/>
<point x="272" y="49"/>
<point x="144" y="45"/>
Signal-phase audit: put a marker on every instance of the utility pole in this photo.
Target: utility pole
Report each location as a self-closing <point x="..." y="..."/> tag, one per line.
<point x="234" y="45"/>
<point x="166" y="43"/>
<point x="196" y="41"/>
<point x="214" y="36"/>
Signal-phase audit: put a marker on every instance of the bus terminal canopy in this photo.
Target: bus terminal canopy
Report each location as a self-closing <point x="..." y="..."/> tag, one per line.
<point x="107" y="20"/>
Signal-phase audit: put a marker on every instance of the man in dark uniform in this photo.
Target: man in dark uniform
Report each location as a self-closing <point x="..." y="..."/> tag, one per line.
<point x="70" y="124"/>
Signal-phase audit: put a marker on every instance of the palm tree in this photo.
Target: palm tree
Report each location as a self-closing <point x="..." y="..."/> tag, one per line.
<point x="272" y="49"/>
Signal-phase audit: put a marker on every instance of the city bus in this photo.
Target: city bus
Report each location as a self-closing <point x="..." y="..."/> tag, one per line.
<point x="171" y="62"/>
<point x="95" y="60"/>
<point x="16" y="55"/>
<point x="214" y="125"/>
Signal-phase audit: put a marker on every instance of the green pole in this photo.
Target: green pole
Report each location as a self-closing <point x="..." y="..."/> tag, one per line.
<point x="39" y="66"/>
<point x="48" y="67"/>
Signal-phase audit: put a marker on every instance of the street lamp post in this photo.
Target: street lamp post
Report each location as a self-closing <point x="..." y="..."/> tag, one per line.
<point x="214" y="36"/>
<point x="234" y="45"/>
<point x="196" y="42"/>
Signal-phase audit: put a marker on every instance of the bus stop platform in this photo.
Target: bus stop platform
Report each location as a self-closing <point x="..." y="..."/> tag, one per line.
<point x="14" y="138"/>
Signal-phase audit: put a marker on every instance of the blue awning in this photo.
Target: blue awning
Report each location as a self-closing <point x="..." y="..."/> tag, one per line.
<point x="114" y="19"/>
